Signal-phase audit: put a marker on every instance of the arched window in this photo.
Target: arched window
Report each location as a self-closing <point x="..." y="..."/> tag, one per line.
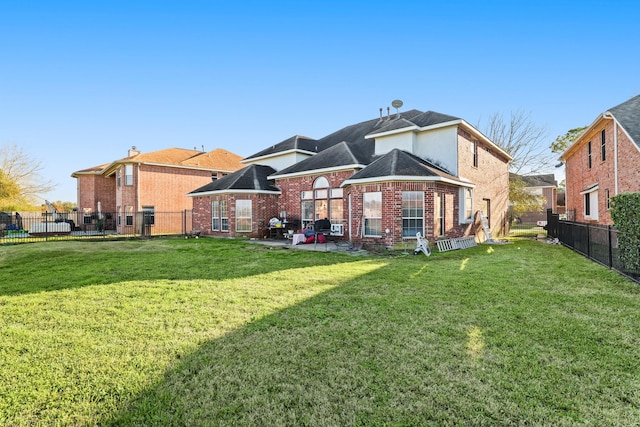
<point x="322" y="202"/>
<point x="321" y="182"/>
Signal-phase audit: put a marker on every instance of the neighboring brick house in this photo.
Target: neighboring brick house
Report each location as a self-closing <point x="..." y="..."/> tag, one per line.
<point x="541" y="185"/>
<point x="378" y="181"/>
<point x="603" y="162"/>
<point x="155" y="182"/>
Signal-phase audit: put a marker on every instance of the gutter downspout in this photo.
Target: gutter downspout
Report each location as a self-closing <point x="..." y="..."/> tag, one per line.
<point x="608" y="115"/>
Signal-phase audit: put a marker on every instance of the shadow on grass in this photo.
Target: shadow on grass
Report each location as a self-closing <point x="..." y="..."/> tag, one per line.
<point x="72" y="264"/>
<point x="352" y="355"/>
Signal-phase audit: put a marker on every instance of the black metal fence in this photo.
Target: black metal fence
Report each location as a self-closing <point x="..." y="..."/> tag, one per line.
<point x="16" y="228"/>
<point x="597" y="242"/>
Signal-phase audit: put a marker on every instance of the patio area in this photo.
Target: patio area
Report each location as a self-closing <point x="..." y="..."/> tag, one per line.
<point x="328" y="246"/>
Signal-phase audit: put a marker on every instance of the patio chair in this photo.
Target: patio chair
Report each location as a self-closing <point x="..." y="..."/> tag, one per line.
<point x="322" y="227"/>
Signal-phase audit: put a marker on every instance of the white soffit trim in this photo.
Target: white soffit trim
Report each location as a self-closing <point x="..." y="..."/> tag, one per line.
<point x="211" y="193"/>
<point x="590" y="189"/>
<point x="317" y="171"/>
<point x="486" y="140"/>
<point x="408" y="178"/>
<point x="277" y="154"/>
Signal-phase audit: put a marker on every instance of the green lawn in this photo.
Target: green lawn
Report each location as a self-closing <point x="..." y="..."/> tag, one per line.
<point x="219" y="332"/>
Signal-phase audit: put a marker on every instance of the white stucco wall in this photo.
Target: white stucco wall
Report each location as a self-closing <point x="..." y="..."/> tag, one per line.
<point x="403" y="141"/>
<point x="440" y="146"/>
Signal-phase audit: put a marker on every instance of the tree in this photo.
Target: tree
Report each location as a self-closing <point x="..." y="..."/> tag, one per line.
<point x="563" y="142"/>
<point x="526" y="143"/>
<point x="523" y="140"/>
<point x="522" y="200"/>
<point x="20" y="179"/>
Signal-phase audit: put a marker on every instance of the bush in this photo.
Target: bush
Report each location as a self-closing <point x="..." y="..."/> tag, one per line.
<point x="625" y="213"/>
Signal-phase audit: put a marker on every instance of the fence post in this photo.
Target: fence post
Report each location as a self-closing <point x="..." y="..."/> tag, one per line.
<point x="588" y="241"/>
<point x="609" y="229"/>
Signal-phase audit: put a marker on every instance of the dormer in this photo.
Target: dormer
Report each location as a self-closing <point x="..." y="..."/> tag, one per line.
<point x="285" y="153"/>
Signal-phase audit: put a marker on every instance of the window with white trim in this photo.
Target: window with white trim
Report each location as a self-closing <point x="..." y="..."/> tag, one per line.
<point x="372" y="214"/>
<point x="215" y="215"/>
<point x="412" y="213"/>
<point x="243" y="216"/>
<point x="224" y="215"/>
<point x="438" y="229"/>
<point x="591" y="204"/>
<point x="128" y="174"/>
<point x="466" y="205"/>
<point x="219" y="215"/>
<point x="128" y="215"/>
<point x="322" y="202"/>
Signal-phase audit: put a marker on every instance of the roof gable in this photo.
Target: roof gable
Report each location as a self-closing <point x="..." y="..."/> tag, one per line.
<point x="341" y="154"/>
<point x="252" y="178"/>
<point x="546" y="180"/>
<point x="628" y="115"/>
<point x="400" y="163"/>
<point x="297" y="143"/>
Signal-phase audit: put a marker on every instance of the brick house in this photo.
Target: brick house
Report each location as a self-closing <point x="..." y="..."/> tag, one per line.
<point x="541" y="185"/>
<point x="155" y="182"/>
<point x="603" y="162"/>
<point x="378" y="181"/>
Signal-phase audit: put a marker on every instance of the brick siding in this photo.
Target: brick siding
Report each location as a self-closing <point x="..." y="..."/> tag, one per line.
<point x="602" y="173"/>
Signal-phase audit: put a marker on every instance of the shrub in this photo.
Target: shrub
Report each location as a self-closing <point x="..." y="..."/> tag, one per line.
<point x="625" y="213"/>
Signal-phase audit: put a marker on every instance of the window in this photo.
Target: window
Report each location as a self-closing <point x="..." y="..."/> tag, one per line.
<point x="603" y="146"/>
<point x="86" y="215"/>
<point x="128" y="215"/>
<point x="224" y="215"/>
<point x="466" y="205"/>
<point x="591" y="204"/>
<point x="587" y="204"/>
<point x="148" y="214"/>
<point x="412" y="213"/>
<point x="372" y="214"/>
<point x="119" y="178"/>
<point x="589" y="154"/>
<point x="307" y="211"/>
<point x="128" y="174"/>
<point x="608" y="198"/>
<point x="243" y="216"/>
<point x="438" y="229"/>
<point x="474" y="151"/>
<point x="215" y="215"/>
<point x="322" y="202"/>
<point x="336" y="206"/>
<point x="219" y="215"/>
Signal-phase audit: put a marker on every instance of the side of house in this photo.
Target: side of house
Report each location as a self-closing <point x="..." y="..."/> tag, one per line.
<point x="133" y="189"/>
<point x="603" y="162"/>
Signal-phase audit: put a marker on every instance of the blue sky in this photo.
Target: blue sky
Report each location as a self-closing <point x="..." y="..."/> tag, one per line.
<point x="81" y="82"/>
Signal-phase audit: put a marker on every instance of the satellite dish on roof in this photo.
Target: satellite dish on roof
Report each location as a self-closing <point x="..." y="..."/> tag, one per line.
<point x="396" y="103"/>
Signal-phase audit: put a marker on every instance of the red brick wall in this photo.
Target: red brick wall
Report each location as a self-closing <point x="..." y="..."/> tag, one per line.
<point x="491" y="177"/>
<point x="95" y="188"/>
<point x="580" y="176"/>
<point x="263" y="206"/>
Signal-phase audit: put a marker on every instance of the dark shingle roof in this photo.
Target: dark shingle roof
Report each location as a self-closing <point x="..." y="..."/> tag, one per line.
<point x="546" y="180"/>
<point x="628" y="115"/>
<point x="294" y="143"/>
<point x="252" y="177"/>
<point x="358" y="147"/>
<point x="341" y="154"/>
<point x="400" y="163"/>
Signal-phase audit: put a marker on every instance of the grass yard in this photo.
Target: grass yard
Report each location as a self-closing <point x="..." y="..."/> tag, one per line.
<point x="219" y="332"/>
